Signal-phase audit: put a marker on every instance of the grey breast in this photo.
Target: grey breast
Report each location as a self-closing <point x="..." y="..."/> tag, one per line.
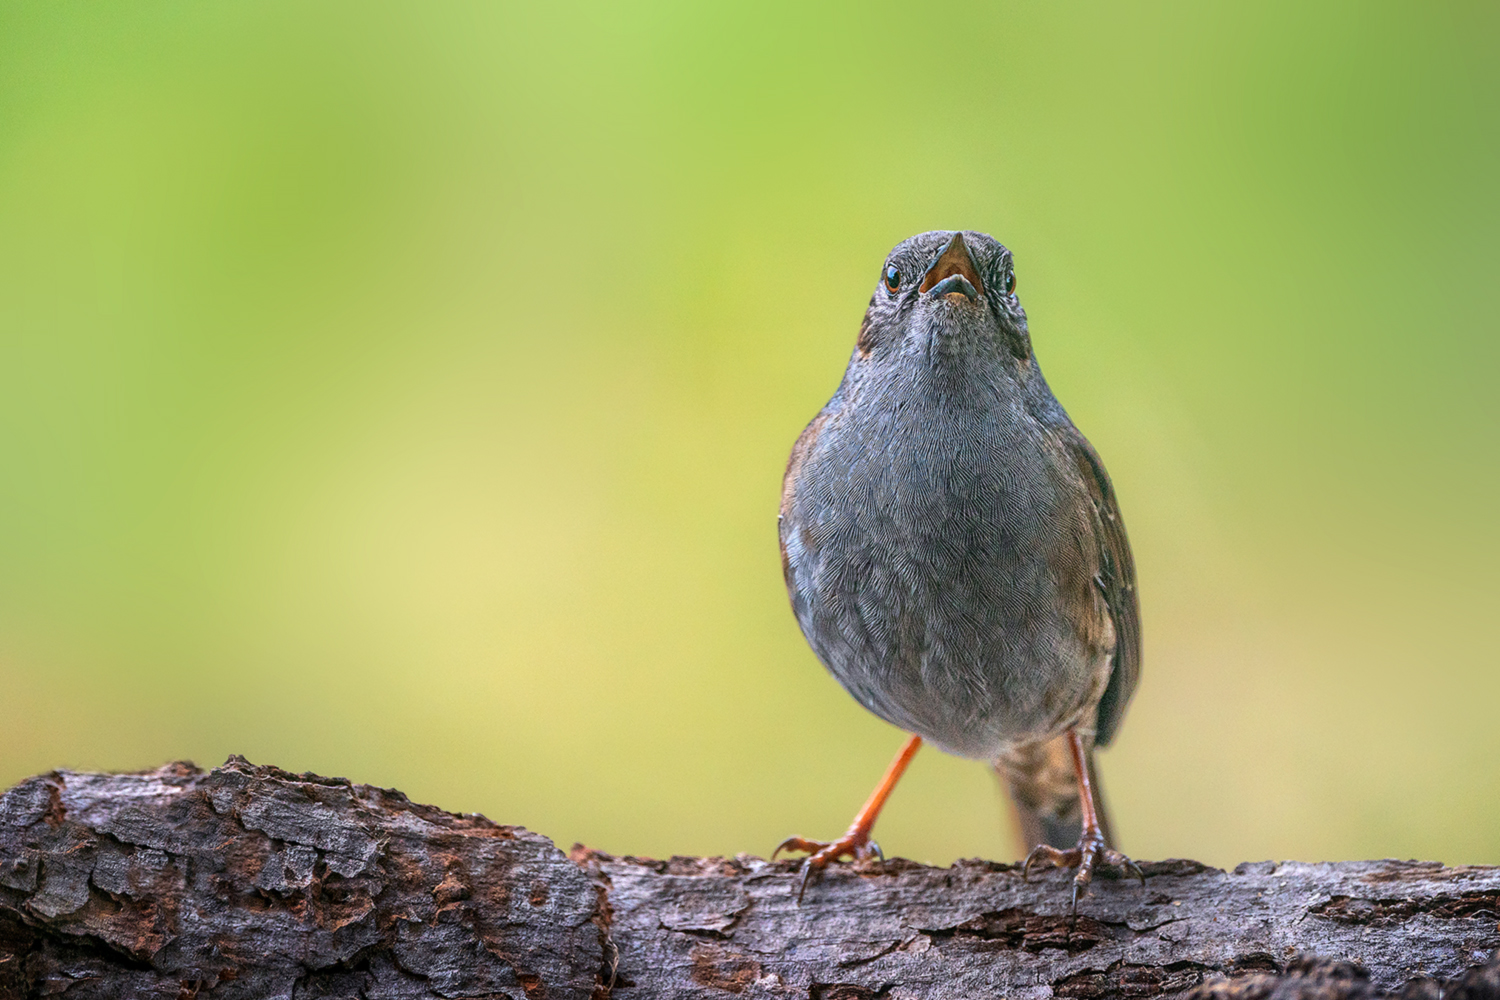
<point x="938" y="549"/>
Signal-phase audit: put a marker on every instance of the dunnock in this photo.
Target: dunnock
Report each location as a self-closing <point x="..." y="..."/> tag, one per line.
<point x="955" y="555"/>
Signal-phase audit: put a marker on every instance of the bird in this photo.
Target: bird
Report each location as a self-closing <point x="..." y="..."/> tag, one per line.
<point x="955" y="556"/>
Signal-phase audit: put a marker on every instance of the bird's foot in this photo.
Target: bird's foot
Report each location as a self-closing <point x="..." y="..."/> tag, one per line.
<point x="855" y="844"/>
<point x="1090" y="852"/>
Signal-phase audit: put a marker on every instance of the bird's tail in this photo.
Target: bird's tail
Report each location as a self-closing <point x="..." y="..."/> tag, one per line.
<point x="1043" y="790"/>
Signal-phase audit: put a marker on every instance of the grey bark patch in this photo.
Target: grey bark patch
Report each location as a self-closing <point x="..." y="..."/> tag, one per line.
<point x="251" y="882"/>
<point x="710" y="908"/>
<point x="899" y="929"/>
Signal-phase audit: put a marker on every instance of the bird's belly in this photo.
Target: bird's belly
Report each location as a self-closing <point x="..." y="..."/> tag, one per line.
<point x="940" y="607"/>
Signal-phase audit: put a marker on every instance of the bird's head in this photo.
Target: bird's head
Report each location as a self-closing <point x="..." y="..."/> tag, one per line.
<point x="946" y="295"/>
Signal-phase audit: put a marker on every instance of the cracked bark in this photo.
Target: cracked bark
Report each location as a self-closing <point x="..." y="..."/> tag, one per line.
<point x="248" y="881"/>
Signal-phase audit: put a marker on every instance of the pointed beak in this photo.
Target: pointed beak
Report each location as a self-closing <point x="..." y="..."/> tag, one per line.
<point x="953" y="273"/>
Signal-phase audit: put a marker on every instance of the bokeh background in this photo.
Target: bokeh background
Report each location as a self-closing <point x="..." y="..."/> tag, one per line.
<point x="401" y="391"/>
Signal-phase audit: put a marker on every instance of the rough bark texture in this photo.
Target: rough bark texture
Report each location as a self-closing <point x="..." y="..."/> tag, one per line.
<point x="251" y="882"/>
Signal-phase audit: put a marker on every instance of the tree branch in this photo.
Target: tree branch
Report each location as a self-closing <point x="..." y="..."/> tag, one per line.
<point x="251" y="882"/>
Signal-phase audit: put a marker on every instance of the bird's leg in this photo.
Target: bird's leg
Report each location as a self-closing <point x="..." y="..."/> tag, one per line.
<point x="1092" y="845"/>
<point x="856" y="842"/>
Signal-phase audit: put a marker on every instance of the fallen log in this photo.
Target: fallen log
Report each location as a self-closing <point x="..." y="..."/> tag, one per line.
<point x="248" y="881"/>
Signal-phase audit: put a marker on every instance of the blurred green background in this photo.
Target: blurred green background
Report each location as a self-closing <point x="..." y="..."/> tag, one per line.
<point x="402" y="392"/>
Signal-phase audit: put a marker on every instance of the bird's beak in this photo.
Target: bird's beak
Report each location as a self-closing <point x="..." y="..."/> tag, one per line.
<point x="953" y="273"/>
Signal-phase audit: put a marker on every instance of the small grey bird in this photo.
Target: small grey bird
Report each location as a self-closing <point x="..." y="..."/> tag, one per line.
<point x="955" y="555"/>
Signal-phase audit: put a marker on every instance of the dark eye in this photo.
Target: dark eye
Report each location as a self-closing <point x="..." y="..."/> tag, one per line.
<point x="892" y="278"/>
<point x="1010" y="282"/>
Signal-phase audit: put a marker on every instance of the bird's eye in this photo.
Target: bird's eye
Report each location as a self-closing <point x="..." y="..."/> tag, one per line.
<point x="892" y="278"/>
<point x="1010" y="282"/>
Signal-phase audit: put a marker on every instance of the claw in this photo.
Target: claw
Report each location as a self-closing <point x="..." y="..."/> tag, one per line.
<point x="807" y="870"/>
<point x="855" y="845"/>
<point x="1090" y="851"/>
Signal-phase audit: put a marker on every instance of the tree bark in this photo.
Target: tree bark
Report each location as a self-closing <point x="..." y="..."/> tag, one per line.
<point x="249" y="882"/>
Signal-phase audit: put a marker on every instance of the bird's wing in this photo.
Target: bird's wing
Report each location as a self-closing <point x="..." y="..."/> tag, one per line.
<point x="1116" y="581"/>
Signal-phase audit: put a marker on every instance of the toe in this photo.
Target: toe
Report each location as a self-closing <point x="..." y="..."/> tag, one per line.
<point x="1117" y="860"/>
<point x="1049" y="857"/>
<point x="798" y="844"/>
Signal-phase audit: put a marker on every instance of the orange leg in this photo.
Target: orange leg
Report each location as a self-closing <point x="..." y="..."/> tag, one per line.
<point x="1092" y="846"/>
<point x="856" y="842"/>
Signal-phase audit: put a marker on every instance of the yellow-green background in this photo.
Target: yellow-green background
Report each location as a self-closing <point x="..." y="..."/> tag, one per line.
<point x="402" y="392"/>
